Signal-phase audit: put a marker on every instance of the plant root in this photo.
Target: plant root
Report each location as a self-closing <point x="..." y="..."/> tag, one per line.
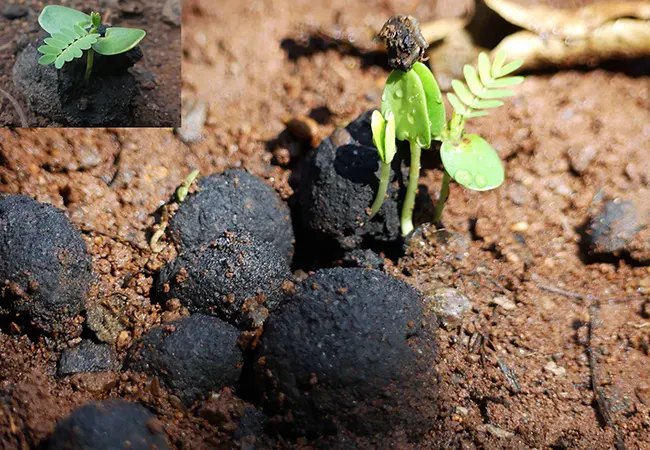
<point x="23" y="118"/>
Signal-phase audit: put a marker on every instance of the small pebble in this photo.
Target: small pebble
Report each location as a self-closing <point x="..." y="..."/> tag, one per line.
<point x="556" y="370"/>
<point x="449" y="304"/>
<point x="12" y="12"/>
<point x="613" y="228"/>
<point x="504" y="302"/>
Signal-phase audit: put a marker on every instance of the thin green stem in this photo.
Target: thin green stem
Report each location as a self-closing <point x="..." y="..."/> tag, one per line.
<point x="384" y="178"/>
<point x="89" y="64"/>
<point x="411" y="190"/>
<point x="442" y="199"/>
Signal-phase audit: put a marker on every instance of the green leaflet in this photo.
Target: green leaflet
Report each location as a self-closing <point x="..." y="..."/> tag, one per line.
<point x="53" y="18"/>
<point x="383" y="135"/>
<point x="473" y="163"/>
<point x="118" y="40"/>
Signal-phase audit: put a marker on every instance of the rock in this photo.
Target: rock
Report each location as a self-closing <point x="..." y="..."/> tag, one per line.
<point x="366" y="259"/>
<point x="504" y="302"/>
<point x="233" y="200"/>
<point x="192" y="355"/>
<point x="12" y="12"/>
<point x="613" y="228"/>
<point x="171" y="12"/>
<point x="64" y="97"/>
<point x="45" y="270"/>
<point x="556" y="370"/>
<point x="581" y="158"/>
<point x="237" y="278"/>
<point x="251" y="424"/>
<point x="338" y="185"/>
<point x="352" y="348"/>
<point x="193" y="121"/>
<point x="449" y="304"/>
<point x="109" y="424"/>
<point x="88" y="357"/>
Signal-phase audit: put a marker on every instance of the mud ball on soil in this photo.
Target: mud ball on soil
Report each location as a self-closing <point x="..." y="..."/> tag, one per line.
<point x="338" y="185"/>
<point x="45" y="270"/>
<point x="236" y="277"/>
<point x="191" y="355"/>
<point x="64" y="97"/>
<point x="109" y="424"/>
<point x="612" y="229"/>
<point x="233" y="200"/>
<point x="353" y="348"/>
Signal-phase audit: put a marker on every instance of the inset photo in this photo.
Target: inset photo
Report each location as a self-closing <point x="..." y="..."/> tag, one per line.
<point x="95" y="63"/>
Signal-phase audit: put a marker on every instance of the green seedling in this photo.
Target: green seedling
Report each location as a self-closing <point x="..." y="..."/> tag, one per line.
<point x="72" y="32"/>
<point x="415" y="101"/>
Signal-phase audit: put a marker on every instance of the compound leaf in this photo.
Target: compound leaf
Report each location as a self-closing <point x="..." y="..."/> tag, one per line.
<point x="118" y="40"/>
<point x="57" y="43"/>
<point x="473" y="163"/>
<point x="54" y="17"/>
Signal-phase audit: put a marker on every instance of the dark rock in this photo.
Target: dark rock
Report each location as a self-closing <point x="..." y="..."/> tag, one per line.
<point x="63" y="96"/>
<point x="613" y="228"/>
<point x="237" y="278"/>
<point x="88" y="357"/>
<point x="338" y="185"/>
<point x="233" y="200"/>
<point x="191" y="355"/>
<point x="44" y="267"/>
<point x="12" y="12"/>
<point x="366" y="259"/>
<point x="109" y="424"/>
<point x="353" y="348"/>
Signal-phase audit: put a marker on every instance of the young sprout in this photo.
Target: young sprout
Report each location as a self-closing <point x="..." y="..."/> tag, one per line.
<point x="468" y="158"/>
<point x="413" y="100"/>
<point x="72" y="32"/>
<point x="383" y="135"/>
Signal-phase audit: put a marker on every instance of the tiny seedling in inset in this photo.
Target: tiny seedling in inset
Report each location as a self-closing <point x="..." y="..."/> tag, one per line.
<point x="412" y="110"/>
<point x="73" y="32"/>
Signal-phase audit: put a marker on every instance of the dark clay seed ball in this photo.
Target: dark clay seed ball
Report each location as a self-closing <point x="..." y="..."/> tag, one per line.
<point x="354" y="348"/>
<point x="236" y="277"/>
<point x="339" y="185"/>
<point x="192" y="355"/>
<point x="107" y="425"/>
<point x="45" y="270"/>
<point x="233" y="200"/>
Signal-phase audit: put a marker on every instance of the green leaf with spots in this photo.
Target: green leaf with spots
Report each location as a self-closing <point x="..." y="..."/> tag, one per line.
<point x="54" y="18"/>
<point x="118" y="40"/>
<point x="435" y="106"/>
<point x="404" y="96"/>
<point x="473" y="163"/>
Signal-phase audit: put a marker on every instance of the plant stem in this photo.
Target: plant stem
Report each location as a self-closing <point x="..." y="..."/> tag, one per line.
<point x="384" y="178"/>
<point x="89" y="64"/>
<point x="412" y="189"/>
<point x="444" y="194"/>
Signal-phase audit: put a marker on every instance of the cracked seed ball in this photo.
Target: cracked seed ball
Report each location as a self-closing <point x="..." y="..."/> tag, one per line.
<point x="405" y="44"/>
<point x="45" y="270"/>
<point x="352" y="348"/>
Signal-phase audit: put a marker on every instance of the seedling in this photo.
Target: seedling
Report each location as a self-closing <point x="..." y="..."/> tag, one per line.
<point x="72" y="32"/>
<point x="412" y="110"/>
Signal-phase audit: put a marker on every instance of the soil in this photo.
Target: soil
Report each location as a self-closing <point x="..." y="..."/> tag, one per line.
<point x="158" y="74"/>
<point x="545" y="320"/>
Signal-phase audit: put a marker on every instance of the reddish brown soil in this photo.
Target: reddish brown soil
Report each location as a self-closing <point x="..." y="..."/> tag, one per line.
<point x="158" y="73"/>
<point x="521" y="241"/>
